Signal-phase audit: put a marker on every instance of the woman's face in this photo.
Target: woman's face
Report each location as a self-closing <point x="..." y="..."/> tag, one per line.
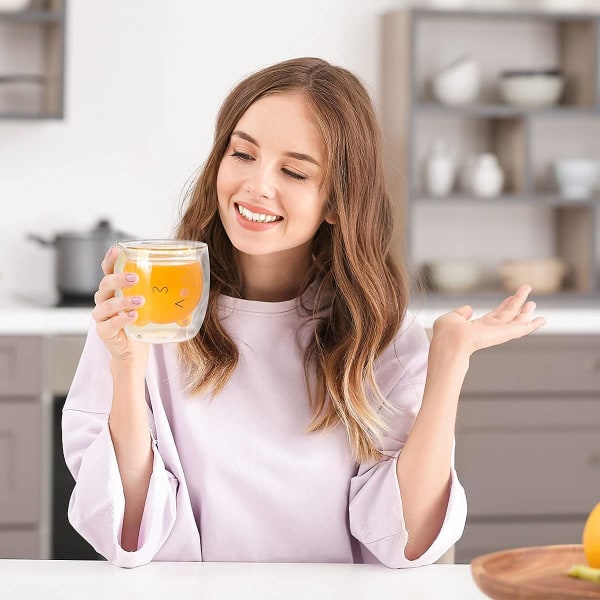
<point x="270" y="180"/>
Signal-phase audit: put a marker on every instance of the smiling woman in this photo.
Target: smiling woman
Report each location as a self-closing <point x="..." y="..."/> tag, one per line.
<point x="309" y="420"/>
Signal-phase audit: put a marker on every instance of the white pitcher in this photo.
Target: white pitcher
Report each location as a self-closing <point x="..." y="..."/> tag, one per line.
<point x="440" y="170"/>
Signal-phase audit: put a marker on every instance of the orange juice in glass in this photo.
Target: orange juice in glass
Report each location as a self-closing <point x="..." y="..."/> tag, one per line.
<point x="174" y="278"/>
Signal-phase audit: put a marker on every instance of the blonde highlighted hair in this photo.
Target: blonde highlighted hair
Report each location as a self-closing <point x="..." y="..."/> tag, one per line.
<point x="363" y="290"/>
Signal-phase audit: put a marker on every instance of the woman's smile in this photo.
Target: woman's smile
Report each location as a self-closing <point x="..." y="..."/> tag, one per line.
<point x="255" y="220"/>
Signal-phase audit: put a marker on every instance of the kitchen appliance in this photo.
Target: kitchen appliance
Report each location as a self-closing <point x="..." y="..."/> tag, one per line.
<point x="78" y="257"/>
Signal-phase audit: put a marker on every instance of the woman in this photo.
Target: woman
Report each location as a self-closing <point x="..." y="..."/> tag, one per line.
<point x="309" y="420"/>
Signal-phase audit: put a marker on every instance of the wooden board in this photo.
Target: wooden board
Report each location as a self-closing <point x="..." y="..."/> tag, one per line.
<point x="534" y="573"/>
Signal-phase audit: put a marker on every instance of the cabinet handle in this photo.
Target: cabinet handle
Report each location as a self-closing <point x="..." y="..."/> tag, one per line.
<point x="593" y="364"/>
<point x="594" y="459"/>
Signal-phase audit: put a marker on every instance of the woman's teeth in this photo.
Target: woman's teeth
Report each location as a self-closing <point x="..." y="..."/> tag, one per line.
<point x="257" y="217"/>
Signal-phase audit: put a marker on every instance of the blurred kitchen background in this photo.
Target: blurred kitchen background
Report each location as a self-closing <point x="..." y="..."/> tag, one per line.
<point x="491" y="116"/>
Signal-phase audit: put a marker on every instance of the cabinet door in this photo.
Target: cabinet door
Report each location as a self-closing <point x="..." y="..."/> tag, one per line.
<point x="21" y="365"/>
<point x="481" y="538"/>
<point x="526" y="458"/>
<point x="20" y="543"/>
<point x="20" y="462"/>
<point x="541" y="364"/>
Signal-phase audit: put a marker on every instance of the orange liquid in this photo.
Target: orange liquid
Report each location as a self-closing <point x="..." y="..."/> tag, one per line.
<point x="172" y="291"/>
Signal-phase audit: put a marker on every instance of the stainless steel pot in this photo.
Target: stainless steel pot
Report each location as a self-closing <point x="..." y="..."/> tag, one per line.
<point x="78" y="257"/>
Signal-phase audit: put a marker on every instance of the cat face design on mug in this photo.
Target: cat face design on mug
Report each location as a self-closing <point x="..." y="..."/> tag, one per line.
<point x="171" y="291"/>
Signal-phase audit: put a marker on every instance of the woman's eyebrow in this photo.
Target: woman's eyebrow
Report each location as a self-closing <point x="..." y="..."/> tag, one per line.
<point x="297" y="155"/>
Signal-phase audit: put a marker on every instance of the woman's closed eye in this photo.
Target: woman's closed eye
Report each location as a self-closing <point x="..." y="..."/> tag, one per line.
<point x="243" y="157"/>
<point x="294" y="175"/>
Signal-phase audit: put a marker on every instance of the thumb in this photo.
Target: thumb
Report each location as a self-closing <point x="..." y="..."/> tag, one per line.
<point x="464" y="311"/>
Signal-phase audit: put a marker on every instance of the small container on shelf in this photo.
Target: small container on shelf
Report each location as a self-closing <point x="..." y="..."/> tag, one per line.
<point x="457" y="83"/>
<point x="545" y="275"/>
<point x="534" y="88"/>
<point x="453" y="275"/>
<point x="576" y="179"/>
<point x="440" y="170"/>
<point x="484" y="175"/>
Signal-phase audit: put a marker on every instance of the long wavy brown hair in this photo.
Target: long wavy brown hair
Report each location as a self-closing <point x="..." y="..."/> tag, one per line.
<point x="362" y="288"/>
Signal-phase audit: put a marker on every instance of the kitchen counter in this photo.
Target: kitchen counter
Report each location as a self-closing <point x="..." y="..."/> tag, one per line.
<point x="28" y="317"/>
<point x="62" y="580"/>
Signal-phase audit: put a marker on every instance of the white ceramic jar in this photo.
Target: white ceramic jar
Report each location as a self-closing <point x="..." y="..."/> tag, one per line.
<point x="440" y="169"/>
<point x="486" y="177"/>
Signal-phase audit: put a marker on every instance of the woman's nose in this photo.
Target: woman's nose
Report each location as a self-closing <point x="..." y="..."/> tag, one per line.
<point x="260" y="184"/>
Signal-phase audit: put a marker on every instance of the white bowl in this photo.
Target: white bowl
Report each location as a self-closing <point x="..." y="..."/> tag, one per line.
<point x="455" y="275"/>
<point x="458" y="83"/>
<point x="531" y="89"/>
<point x="545" y="275"/>
<point x="576" y="178"/>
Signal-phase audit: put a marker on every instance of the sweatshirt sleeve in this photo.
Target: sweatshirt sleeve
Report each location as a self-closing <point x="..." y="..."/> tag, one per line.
<point x="97" y="504"/>
<point x="375" y="503"/>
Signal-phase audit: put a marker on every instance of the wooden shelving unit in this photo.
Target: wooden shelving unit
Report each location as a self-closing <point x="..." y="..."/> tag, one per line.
<point x="32" y="66"/>
<point x="417" y="42"/>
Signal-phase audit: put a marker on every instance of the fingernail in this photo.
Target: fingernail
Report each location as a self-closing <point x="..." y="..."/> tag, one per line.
<point x="108" y="252"/>
<point x="131" y="314"/>
<point x="131" y="277"/>
<point x="137" y="299"/>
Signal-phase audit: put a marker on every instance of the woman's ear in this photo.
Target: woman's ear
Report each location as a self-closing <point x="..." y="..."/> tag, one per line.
<point x="331" y="217"/>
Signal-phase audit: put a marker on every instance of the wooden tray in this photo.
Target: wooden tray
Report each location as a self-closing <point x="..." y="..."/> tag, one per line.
<point x="535" y="573"/>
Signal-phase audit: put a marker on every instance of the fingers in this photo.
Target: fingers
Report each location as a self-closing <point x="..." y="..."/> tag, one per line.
<point x="109" y="260"/>
<point x="525" y="314"/>
<point x="464" y="311"/>
<point x="523" y="328"/>
<point x="112" y="312"/>
<point x="512" y="306"/>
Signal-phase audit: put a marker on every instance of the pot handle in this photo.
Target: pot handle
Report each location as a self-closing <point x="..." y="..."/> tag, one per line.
<point x="40" y="240"/>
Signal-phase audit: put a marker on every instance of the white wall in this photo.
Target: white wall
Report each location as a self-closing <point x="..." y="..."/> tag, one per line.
<point x="144" y="82"/>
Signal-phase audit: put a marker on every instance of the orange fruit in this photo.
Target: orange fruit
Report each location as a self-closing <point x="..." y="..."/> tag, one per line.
<point x="591" y="538"/>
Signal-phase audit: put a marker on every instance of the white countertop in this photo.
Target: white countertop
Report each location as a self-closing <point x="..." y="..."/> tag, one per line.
<point x="99" y="580"/>
<point x="28" y="317"/>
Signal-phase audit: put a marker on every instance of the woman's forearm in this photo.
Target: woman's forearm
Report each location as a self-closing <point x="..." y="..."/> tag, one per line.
<point x="424" y="464"/>
<point x="128" y="423"/>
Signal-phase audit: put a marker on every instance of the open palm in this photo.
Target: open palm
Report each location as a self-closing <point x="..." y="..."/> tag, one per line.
<point x="511" y="319"/>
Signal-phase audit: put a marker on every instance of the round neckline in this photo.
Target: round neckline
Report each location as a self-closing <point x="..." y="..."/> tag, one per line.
<point x="259" y="306"/>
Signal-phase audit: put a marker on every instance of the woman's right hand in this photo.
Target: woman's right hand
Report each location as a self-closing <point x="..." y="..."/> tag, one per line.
<point x="112" y="313"/>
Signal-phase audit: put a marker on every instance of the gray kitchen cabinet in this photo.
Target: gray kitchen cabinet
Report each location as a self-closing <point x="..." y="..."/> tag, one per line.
<point x="32" y="75"/>
<point x="23" y="434"/>
<point x="530" y="218"/>
<point x="528" y="443"/>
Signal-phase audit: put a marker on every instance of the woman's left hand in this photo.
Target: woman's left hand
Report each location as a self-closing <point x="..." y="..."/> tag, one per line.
<point x="511" y="319"/>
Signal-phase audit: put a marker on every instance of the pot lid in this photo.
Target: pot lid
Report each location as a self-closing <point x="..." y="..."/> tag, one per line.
<point x="102" y="231"/>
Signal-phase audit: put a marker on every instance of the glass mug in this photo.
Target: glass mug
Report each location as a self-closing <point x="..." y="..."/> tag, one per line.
<point x="174" y="278"/>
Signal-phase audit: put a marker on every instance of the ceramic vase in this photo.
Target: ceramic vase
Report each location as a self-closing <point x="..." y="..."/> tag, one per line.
<point x="440" y="170"/>
<point x="486" y="177"/>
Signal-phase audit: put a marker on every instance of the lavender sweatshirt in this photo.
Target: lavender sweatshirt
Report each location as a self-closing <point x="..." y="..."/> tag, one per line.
<point x="238" y="478"/>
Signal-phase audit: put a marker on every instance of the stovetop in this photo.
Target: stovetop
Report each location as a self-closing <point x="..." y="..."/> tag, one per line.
<point x="68" y="301"/>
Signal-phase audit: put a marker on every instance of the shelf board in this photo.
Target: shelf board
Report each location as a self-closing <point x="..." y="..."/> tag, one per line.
<point x="31" y="117"/>
<point x="23" y="78"/>
<point x="541" y="199"/>
<point x="505" y="13"/>
<point x="504" y="111"/>
<point x="33" y="16"/>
